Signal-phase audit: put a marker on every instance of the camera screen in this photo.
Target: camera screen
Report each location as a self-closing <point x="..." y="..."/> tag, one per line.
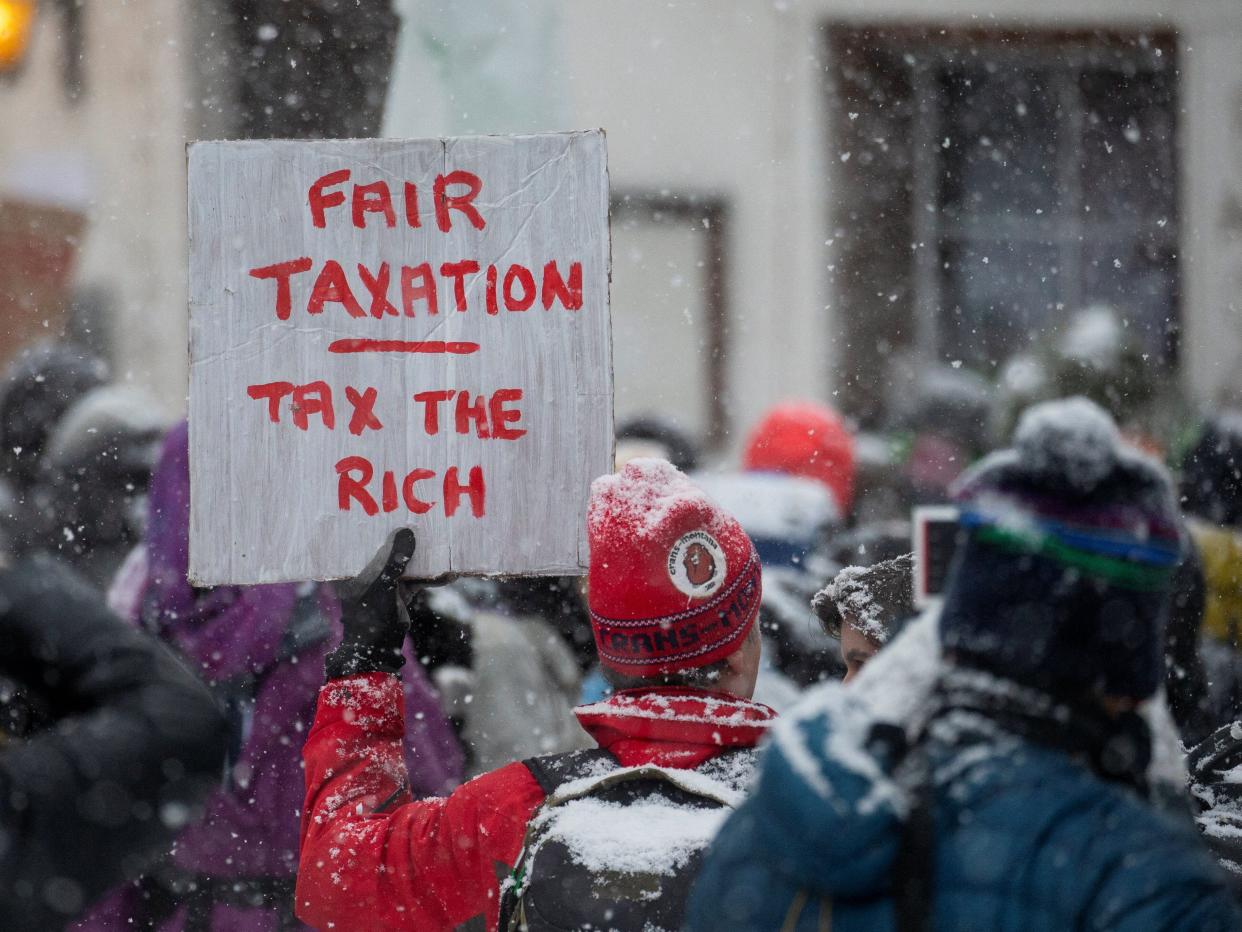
<point x="935" y="530"/>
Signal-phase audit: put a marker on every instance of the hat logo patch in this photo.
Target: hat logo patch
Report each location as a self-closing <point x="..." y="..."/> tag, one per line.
<point x="696" y="564"/>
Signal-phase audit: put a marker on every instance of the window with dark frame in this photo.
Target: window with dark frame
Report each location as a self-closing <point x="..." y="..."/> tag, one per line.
<point x="703" y="220"/>
<point x="988" y="185"/>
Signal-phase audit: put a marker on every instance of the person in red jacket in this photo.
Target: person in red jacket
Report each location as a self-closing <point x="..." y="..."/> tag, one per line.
<point x="674" y="592"/>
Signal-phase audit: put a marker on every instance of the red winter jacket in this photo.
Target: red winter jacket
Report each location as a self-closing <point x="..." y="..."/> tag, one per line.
<point x="373" y="858"/>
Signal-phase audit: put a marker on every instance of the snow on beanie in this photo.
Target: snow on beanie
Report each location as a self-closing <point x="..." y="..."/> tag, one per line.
<point x="873" y="599"/>
<point x="674" y="580"/>
<point x="807" y="439"/>
<point x="1071" y="542"/>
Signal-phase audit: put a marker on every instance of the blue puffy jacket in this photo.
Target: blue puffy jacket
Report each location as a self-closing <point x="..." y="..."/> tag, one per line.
<point x="1026" y="839"/>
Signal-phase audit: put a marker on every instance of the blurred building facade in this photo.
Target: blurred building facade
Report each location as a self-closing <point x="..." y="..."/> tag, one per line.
<point x="811" y="197"/>
<point x="97" y="118"/>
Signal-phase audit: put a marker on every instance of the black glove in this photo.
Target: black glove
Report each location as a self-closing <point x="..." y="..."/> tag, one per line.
<point x="373" y="614"/>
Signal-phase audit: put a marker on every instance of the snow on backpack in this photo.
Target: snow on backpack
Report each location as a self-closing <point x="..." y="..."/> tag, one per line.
<point x="617" y="848"/>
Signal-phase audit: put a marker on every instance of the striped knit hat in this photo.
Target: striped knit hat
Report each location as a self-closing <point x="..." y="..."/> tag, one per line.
<point x="1072" y="539"/>
<point x="674" y="580"/>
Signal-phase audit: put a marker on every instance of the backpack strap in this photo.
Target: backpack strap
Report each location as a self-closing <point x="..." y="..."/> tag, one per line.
<point x="682" y="779"/>
<point x="914" y="865"/>
<point x="554" y="770"/>
<point x="913" y="894"/>
<point x="551" y="772"/>
<point x="797" y="907"/>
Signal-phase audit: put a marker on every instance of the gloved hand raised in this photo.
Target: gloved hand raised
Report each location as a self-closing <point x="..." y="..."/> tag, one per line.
<point x="373" y="614"/>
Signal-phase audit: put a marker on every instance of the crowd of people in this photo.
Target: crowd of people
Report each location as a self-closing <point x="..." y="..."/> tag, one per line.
<point x="739" y="719"/>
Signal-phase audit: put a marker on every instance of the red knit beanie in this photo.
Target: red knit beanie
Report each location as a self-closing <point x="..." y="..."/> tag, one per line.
<point x="804" y="438"/>
<point x="674" y="580"/>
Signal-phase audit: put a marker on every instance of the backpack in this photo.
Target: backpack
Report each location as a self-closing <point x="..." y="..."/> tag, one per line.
<point x="617" y="848"/>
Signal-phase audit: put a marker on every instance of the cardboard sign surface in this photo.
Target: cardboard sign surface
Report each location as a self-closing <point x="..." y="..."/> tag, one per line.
<point x="391" y="333"/>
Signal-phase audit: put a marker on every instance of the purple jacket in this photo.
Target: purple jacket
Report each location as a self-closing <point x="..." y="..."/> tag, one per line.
<point x="250" y="828"/>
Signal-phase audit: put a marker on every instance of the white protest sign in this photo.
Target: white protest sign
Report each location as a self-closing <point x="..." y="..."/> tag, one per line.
<point x="391" y="333"/>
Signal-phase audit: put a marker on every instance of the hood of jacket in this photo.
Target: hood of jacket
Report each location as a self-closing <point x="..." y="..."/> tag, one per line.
<point x="673" y="726"/>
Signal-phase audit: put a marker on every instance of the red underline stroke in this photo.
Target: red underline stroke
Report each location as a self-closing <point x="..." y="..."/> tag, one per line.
<point x="402" y="346"/>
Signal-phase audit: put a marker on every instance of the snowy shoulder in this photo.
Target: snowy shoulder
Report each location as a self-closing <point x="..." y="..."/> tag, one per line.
<point x="825" y="786"/>
<point x="831" y="728"/>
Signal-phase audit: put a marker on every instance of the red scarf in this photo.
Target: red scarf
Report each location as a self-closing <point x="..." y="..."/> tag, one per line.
<point x="673" y="726"/>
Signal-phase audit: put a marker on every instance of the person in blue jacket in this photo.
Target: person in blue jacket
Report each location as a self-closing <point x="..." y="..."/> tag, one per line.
<point x="992" y="769"/>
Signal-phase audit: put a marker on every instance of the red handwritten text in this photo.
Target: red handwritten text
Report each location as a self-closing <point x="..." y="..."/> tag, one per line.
<point x="355" y="474"/>
<point x="413" y="286"/>
<point x="451" y="191"/>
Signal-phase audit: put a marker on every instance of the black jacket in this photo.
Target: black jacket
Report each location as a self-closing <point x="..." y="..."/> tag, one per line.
<point x="133" y="743"/>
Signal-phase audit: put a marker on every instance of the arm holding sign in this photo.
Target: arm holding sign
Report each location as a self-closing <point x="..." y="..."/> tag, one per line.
<point x="372" y="857"/>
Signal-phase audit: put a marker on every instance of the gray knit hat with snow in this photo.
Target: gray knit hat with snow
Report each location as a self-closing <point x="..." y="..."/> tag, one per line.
<point x="874" y="599"/>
